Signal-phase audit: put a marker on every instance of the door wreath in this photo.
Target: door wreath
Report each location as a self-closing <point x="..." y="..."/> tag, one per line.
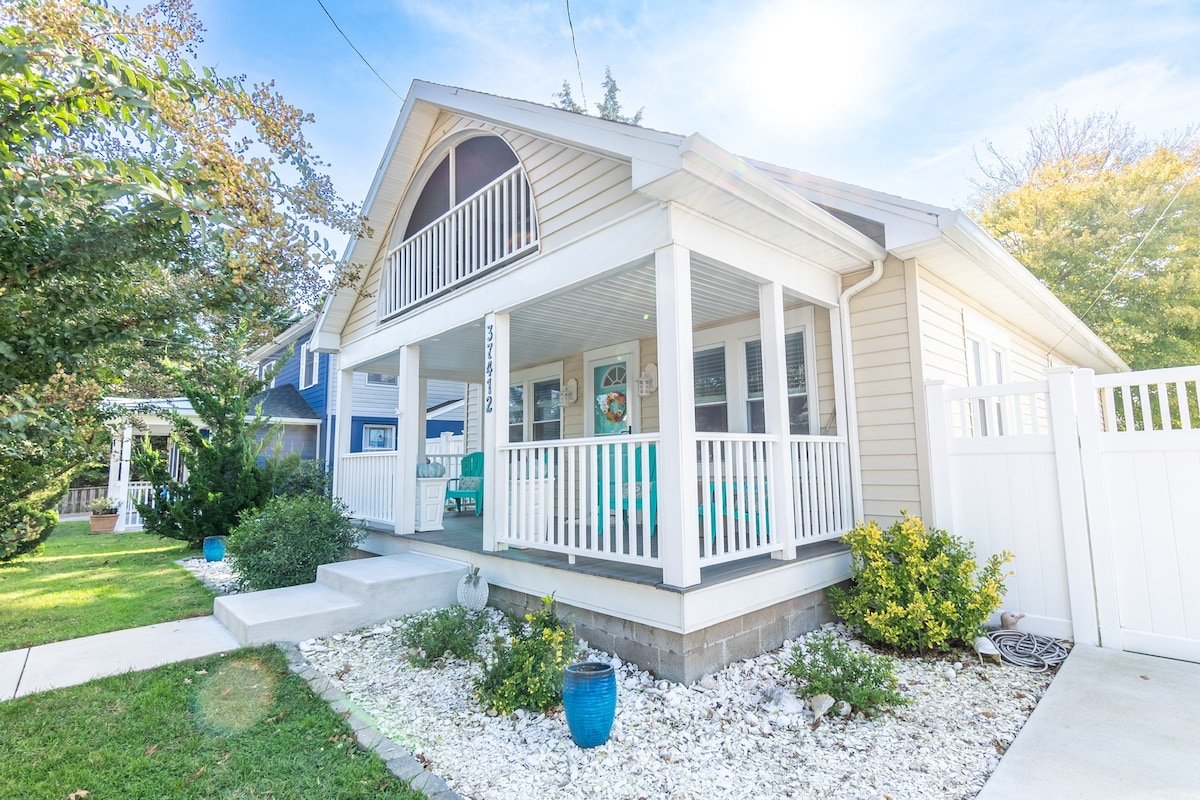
<point x="613" y="406"/>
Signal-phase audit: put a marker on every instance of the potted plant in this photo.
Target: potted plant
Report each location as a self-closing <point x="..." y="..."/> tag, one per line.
<point x="105" y="511"/>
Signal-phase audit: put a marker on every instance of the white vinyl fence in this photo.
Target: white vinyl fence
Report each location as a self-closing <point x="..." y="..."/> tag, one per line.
<point x="1090" y="481"/>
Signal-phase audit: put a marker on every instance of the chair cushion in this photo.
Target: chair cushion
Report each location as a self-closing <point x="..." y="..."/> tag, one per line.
<point x="468" y="484"/>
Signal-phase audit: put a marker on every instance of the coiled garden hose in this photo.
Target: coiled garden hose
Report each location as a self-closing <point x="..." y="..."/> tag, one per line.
<point x="1038" y="653"/>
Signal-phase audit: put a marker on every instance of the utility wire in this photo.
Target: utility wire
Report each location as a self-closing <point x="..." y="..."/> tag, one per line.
<point x="356" y="50"/>
<point x="1116" y="273"/>
<point x="575" y="47"/>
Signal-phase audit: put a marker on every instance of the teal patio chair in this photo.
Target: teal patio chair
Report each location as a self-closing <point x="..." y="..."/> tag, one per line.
<point x="618" y="471"/>
<point x="469" y="486"/>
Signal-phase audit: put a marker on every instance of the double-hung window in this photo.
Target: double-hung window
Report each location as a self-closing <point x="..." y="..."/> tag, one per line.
<point x="310" y="366"/>
<point x="712" y="397"/>
<point x="987" y="364"/>
<point x="533" y="411"/>
<point x="797" y="385"/>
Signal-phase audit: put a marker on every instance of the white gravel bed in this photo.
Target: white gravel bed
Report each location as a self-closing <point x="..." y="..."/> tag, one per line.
<point x="216" y="575"/>
<point x="730" y="734"/>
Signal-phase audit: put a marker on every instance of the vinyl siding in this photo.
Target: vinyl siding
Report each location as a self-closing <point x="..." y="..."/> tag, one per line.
<point x="827" y="422"/>
<point x="574" y="192"/>
<point x="883" y="385"/>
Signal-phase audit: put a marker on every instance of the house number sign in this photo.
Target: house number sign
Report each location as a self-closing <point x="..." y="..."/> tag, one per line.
<point x="487" y="399"/>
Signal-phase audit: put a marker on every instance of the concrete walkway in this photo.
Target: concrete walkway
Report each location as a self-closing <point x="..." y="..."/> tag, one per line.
<point x="1111" y="725"/>
<point x="76" y="661"/>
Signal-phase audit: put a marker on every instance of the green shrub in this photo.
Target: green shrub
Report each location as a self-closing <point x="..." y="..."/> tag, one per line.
<point x="526" y="670"/>
<point x="917" y="588"/>
<point x="292" y="476"/>
<point x="283" y="543"/>
<point x="827" y="665"/>
<point x="453" y="630"/>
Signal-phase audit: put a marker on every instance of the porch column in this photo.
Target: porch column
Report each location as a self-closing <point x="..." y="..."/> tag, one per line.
<point x="118" y="470"/>
<point x="422" y="404"/>
<point x="495" y="428"/>
<point x="409" y="438"/>
<point x="345" y="412"/>
<point x="677" y="498"/>
<point x="778" y="419"/>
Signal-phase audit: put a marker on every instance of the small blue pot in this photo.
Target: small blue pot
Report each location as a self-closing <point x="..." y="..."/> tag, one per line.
<point x="214" y="548"/>
<point x="590" y="700"/>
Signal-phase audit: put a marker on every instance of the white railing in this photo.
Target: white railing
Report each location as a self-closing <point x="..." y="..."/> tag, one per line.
<point x="735" y="500"/>
<point x="367" y="484"/>
<point x="492" y="227"/>
<point x="584" y="497"/>
<point x="821" y="487"/>
<point x="139" y="492"/>
<point x="452" y="462"/>
<point x="1152" y="400"/>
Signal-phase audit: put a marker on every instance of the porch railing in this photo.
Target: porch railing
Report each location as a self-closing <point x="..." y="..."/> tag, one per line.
<point x="139" y="492"/>
<point x="367" y="484"/>
<point x="821" y="487"/>
<point x="584" y="497"/>
<point x="492" y="227"/>
<point x="735" y="496"/>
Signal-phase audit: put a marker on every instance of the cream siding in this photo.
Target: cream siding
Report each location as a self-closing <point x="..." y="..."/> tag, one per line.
<point x="827" y="422"/>
<point x="883" y="381"/>
<point x="575" y="192"/>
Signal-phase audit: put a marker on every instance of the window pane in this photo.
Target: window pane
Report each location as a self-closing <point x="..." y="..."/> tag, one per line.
<point x="798" y="415"/>
<point x="380" y="378"/>
<point x="757" y="415"/>
<point x="434" y="200"/>
<point x="709" y="369"/>
<point x="477" y="162"/>
<point x="545" y="401"/>
<point x="516" y="405"/>
<point x="712" y="419"/>
<point x="797" y="373"/>
<point x="754" y="370"/>
<point x="516" y="433"/>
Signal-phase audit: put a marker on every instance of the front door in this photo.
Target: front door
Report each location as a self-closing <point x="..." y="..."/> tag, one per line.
<point x="611" y="410"/>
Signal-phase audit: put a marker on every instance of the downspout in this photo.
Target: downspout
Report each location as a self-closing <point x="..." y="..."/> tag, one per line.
<point x="851" y="391"/>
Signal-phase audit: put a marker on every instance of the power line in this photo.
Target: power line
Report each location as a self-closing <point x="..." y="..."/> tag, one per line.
<point x="1116" y="273"/>
<point x="356" y="50"/>
<point x="575" y="47"/>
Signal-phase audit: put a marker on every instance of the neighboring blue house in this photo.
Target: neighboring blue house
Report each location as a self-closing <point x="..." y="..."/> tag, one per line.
<point x="306" y="388"/>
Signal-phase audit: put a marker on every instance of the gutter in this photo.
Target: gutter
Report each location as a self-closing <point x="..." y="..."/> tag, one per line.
<point x="851" y="392"/>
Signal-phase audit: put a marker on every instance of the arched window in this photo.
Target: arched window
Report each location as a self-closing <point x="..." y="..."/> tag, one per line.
<point x="468" y="167"/>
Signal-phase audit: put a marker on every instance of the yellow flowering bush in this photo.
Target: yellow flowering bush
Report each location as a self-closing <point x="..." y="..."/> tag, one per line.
<point x="916" y="588"/>
<point x="526" y="669"/>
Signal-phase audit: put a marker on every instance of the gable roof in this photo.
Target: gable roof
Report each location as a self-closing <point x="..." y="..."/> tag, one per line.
<point x="665" y="166"/>
<point x="957" y="248"/>
<point x="295" y="333"/>
<point x="284" y="404"/>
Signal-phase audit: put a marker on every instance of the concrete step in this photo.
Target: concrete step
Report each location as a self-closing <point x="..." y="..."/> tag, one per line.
<point x="347" y="595"/>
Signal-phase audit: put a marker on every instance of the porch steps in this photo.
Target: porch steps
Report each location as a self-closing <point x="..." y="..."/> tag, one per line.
<point x="347" y="595"/>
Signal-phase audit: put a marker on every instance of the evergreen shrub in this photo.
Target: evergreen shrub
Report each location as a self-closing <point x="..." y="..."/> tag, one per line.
<point x="828" y="665"/>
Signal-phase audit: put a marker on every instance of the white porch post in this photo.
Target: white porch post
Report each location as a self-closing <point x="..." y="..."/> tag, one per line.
<point x="118" y="471"/>
<point x="778" y="420"/>
<point x="409" y="438"/>
<point x="423" y="404"/>
<point x="495" y="428"/>
<point x="678" y="545"/>
<point x="345" y="412"/>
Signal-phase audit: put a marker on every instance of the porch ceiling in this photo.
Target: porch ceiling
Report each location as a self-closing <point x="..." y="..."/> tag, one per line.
<point x="613" y="308"/>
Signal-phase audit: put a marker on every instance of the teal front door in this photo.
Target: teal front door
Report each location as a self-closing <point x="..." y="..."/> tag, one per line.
<point x="611" y="412"/>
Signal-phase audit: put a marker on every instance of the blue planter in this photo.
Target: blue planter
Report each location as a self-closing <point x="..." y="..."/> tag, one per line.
<point x="590" y="700"/>
<point x="214" y="548"/>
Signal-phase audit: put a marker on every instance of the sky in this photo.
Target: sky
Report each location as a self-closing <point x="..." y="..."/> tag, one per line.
<point x="894" y="96"/>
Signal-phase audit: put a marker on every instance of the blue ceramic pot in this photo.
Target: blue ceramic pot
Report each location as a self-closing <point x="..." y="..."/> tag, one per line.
<point x="590" y="700"/>
<point x="214" y="548"/>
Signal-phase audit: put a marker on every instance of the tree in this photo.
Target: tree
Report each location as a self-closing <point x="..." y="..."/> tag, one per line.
<point x="224" y="476"/>
<point x="1110" y="222"/>
<point x="609" y="108"/>
<point x="138" y="192"/>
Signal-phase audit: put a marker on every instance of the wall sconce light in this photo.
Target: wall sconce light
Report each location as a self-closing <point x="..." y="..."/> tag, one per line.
<point x="647" y="382"/>
<point x="569" y="393"/>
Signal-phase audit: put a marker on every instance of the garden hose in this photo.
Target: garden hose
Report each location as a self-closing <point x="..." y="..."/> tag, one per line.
<point x="1038" y="653"/>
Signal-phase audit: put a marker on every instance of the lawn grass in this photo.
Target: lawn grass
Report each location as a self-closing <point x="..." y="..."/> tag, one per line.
<point x="234" y="726"/>
<point x="83" y="584"/>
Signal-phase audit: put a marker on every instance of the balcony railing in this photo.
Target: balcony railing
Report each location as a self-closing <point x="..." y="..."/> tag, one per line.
<point x="494" y="226"/>
<point x="367" y="484"/>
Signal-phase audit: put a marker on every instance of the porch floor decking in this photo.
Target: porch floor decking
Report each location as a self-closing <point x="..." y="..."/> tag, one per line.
<point x="464" y="531"/>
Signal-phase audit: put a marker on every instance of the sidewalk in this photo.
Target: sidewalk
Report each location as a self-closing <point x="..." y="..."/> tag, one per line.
<point x="76" y="661"/>
<point x="1112" y="725"/>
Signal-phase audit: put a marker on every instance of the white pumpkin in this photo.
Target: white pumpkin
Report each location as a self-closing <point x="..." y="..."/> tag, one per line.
<point x="472" y="591"/>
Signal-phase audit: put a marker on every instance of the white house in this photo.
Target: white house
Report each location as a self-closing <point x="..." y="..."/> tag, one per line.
<point x="690" y="373"/>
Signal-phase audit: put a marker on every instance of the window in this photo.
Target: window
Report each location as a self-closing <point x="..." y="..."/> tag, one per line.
<point x="468" y="167"/>
<point x="310" y="366"/>
<point x="533" y="411"/>
<point x="379" y="379"/>
<point x="797" y="384"/>
<point x="379" y="437"/>
<point x="265" y="370"/>
<point x="987" y="364"/>
<point x="712" y="406"/>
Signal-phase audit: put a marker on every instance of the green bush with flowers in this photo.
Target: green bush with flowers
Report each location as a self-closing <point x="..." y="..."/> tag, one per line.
<point x="525" y="669"/>
<point x="917" y="588"/>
